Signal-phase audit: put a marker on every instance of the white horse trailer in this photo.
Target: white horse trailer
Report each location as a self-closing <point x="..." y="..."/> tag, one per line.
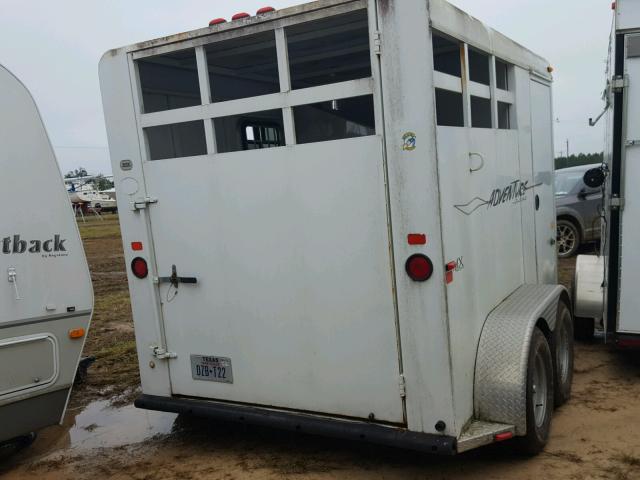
<point x="606" y="286"/>
<point x="341" y="220"/>
<point x="46" y="293"/>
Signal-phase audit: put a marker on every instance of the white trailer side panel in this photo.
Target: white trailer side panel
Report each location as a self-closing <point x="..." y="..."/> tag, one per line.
<point x="482" y="236"/>
<point x="629" y="308"/>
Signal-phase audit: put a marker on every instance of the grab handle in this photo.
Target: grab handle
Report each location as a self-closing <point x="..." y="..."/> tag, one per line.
<point x="13" y="278"/>
<point x="479" y="155"/>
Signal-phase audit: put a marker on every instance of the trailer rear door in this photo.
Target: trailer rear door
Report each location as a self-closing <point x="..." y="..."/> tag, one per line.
<point x="294" y="305"/>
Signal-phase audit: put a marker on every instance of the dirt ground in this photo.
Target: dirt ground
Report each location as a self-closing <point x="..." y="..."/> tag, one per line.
<point x="596" y="435"/>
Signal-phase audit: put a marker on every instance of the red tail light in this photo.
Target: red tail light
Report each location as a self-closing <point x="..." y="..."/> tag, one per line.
<point x="240" y="15"/>
<point x="265" y="10"/>
<point x="419" y="267"/>
<point x="217" y="21"/>
<point x="139" y="267"/>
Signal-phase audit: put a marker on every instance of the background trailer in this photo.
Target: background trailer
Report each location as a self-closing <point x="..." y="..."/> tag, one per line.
<point x="341" y="220"/>
<point x="606" y="286"/>
<point x="46" y="297"/>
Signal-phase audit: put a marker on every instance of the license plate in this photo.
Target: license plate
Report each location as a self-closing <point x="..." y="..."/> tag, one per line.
<point x="211" y="369"/>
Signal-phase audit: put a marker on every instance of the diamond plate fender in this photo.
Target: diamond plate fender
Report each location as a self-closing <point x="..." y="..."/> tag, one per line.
<point x="503" y="350"/>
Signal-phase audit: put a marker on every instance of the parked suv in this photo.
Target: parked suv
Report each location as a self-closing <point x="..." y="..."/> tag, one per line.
<point x="577" y="210"/>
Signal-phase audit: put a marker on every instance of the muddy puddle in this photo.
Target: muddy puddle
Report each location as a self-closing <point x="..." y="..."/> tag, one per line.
<point x="99" y="426"/>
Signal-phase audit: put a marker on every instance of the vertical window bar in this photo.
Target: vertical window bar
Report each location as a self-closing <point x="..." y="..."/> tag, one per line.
<point x="375" y="36"/>
<point x="205" y="96"/>
<point x="466" y="95"/>
<point x="492" y="89"/>
<point x="285" y="85"/>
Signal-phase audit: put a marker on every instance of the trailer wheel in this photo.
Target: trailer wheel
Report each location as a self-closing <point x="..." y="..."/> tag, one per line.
<point x="539" y="395"/>
<point x="562" y="346"/>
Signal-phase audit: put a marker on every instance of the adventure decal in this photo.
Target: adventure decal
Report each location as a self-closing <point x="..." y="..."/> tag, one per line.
<point x="515" y="192"/>
<point x="51" y="247"/>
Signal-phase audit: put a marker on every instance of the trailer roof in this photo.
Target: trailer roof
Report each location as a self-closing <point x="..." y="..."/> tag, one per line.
<point x="444" y="17"/>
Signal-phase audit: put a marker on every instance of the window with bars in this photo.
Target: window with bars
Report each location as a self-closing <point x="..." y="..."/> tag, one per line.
<point x="472" y="88"/>
<point x="236" y="93"/>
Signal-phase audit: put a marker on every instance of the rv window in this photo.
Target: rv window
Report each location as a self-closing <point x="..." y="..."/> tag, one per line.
<point x="177" y="140"/>
<point x="502" y="75"/>
<point x="249" y="132"/>
<point x="504" y="114"/>
<point x="335" y="49"/>
<point x="335" y="120"/>
<point x="446" y="55"/>
<point x="258" y="134"/>
<point x="169" y="81"/>
<point x="480" y="112"/>
<point x="478" y="67"/>
<point x="449" y="108"/>
<point x="243" y="67"/>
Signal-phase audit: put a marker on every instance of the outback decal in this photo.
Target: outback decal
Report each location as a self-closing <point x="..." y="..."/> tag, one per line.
<point x="515" y="192"/>
<point x="409" y="142"/>
<point x="51" y="247"/>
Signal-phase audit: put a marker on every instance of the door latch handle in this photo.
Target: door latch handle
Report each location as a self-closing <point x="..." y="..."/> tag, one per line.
<point x="175" y="280"/>
<point x="481" y="165"/>
<point x="13" y="278"/>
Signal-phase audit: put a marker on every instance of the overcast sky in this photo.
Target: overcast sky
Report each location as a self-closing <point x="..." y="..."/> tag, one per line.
<point x="54" y="48"/>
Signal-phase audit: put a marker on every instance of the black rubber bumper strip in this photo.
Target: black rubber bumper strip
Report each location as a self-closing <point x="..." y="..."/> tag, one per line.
<point x="300" y="422"/>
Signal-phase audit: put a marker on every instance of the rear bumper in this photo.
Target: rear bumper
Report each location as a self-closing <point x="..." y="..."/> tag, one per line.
<point x="627" y="340"/>
<point x="302" y="422"/>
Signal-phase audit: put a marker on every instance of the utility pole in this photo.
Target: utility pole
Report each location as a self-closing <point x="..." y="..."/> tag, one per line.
<point x="567" y="152"/>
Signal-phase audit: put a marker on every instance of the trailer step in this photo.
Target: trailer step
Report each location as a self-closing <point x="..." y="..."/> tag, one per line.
<point x="478" y="433"/>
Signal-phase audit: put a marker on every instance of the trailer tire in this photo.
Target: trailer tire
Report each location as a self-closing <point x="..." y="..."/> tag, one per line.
<point x="562" y="349"/>
<point x="540" y="398"/>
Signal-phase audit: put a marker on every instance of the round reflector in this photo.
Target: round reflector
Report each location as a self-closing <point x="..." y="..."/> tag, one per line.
<point x="265" y="10"/>
<point x="139" y="267"/>
<point x="217" y="21"/>
<point x="419" y="267"/>
<point x="240" y="15"/>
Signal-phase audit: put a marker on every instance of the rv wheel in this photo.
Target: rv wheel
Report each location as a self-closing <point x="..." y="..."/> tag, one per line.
<point x="562" y="349"/>
<point x="539" y="395"/>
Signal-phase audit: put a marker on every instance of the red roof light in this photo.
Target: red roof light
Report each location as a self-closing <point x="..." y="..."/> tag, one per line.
<point x="265" y="10"/>
<point x="240" y="15"/>
<point x="217" y="21"/>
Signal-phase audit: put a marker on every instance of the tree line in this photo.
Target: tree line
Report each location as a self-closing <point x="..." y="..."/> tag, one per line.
<point x="577" y="160"/>
<point x="99" y="181"/>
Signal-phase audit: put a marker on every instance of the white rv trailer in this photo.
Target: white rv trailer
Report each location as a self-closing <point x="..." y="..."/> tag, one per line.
<point x="606" y="286"/>
<point x="341" y="221"/>
<point x="46" y="297"/>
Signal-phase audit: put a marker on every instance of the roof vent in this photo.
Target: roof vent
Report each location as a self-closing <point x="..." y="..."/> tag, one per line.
<point x="217" y="21"/>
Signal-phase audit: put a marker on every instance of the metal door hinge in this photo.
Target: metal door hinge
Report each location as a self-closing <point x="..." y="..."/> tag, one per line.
<point x="377" y="42"/>
<point x="162" y="354"/>
<point x="619" y="83"/>
<point x="141" y="204"/>
<point x="632" y="143"/>
<point x="403" y="386"/>
<point x="616" y="203"/>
